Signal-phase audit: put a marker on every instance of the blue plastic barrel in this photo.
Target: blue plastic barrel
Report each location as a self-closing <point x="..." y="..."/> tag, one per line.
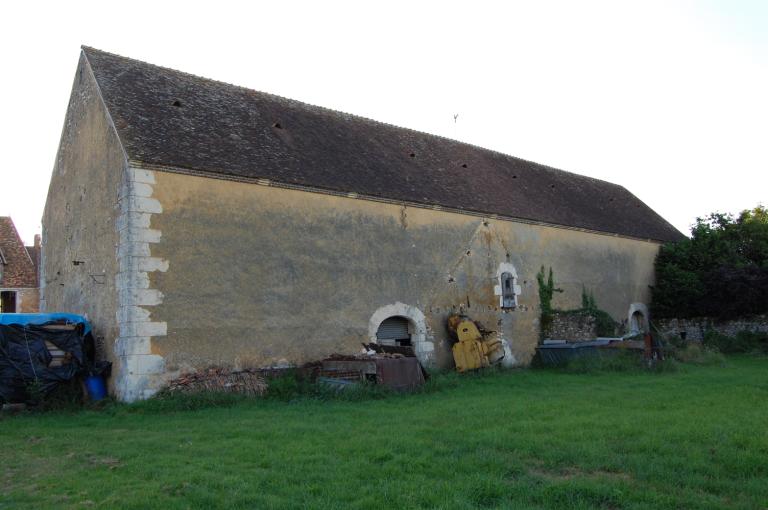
<point x="97" y="390"/>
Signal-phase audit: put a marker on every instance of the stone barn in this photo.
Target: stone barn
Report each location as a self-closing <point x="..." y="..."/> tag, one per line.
<point x="202" y="224"/>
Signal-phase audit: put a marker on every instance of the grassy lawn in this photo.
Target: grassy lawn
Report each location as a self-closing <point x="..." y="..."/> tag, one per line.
<point x="695" y="438"/>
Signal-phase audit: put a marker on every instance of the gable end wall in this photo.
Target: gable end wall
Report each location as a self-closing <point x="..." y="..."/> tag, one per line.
<point x="80" y="240"/>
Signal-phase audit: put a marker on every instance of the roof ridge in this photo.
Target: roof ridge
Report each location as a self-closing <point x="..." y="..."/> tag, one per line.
<point x="86" y="48"/>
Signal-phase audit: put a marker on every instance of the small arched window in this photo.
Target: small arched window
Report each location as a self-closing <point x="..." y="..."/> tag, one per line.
<point x="508" y="298"/>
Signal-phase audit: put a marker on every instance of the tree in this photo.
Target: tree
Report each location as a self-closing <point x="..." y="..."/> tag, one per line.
<point x="721" y="271"/>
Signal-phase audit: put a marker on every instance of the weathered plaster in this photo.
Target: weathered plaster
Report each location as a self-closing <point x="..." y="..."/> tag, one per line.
<point x="79" y="241"/>
<point x="273" y="275"/>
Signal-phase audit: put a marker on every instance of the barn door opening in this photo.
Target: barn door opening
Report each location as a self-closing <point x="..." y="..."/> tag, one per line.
<point x="394" y="331"/>
<point x="638" y="322"/>
<point x="7" y="302"/>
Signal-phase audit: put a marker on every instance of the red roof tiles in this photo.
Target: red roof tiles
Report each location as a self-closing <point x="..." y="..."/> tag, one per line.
<point x="16" y="267"/>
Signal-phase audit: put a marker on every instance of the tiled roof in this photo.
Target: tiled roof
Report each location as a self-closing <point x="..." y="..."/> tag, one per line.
<point x="18" y="269"/>
<point x="173" y="119"/>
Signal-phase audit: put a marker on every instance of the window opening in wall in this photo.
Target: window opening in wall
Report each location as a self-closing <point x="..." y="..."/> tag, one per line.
<point x="508" y="291"/>
<point x="394" y="331"/>
<point x="7" y="301"/>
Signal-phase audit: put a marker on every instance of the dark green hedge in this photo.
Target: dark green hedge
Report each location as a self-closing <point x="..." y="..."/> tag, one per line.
<point x="721" y="271"/>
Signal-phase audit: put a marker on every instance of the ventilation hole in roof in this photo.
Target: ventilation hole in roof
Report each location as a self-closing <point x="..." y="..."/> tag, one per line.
<point x="413" y="155"/>
<point x="177" y="103"/>
<point x="610" y="199"/>
<point x="514" y="177"/>
<point x="552" y="186"/>
<point x="464" y="165"/>
<point x="277" y="125"/>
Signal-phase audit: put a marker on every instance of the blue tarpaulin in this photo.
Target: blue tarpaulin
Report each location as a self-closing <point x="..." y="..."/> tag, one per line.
<point x="38" y="319"/>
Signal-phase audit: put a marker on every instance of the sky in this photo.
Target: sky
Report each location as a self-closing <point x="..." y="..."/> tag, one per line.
<point x="667" y="98"/>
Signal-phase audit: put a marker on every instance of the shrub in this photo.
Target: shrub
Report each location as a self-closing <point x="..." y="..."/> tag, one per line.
<point x="698" y="354"/>
<point x="618" y="361"/>
<point x="289" y="385"/>
<point x="721" y="271"/>
<point x="743" y="342"/>
<point x="547" y="291"/>
<point x="604" y="323"/>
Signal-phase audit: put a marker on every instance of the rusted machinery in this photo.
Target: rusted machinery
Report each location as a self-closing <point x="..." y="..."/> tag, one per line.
<point x="475" y="347"/>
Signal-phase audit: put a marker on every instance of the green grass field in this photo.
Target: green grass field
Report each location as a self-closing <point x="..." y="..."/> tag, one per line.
<point x="694" y="438"/>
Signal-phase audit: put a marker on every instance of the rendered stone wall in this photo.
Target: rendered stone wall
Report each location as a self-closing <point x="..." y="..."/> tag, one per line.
<point x="28" y="300"/>
<point x="574" y="327"/>
<point x="261" y="276"/>
<point x="78" y="265"/>
<point x="695" y="329"/>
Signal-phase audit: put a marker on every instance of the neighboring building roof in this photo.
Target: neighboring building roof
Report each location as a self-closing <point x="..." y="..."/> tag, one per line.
<point x="168" y="118"/>
<point x="17" y="268"/>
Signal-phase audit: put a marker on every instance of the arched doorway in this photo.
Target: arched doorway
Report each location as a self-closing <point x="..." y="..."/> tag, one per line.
<point x="637" y="322"/>
<point x="637" y="318"/>
<point x="399" y="315"/>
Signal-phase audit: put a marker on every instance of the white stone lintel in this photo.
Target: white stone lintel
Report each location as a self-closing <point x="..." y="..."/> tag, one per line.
<point x="133" y="203"/>
<point x="133" y="314"/>
<point x="141" y="175"/>
<point x="133" y="249"/>
<point x="139" y="263"/>
<point x="140" y="297"/>
<point x="128" y="346"/>
<point x="139" y="235"/>
<point x="132" y="280"/>
<point x="143" y="364"/>
<point x="133" y="220"/>
<point x="129" y="329"/>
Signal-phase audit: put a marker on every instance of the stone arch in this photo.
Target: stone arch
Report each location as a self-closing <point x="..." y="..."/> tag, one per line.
<point x="423" y="346"/>
<point x="637" y="318"/>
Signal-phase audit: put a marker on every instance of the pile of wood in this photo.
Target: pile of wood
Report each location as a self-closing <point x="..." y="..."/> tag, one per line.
<point x="247" y="382"/>
<point x="58" y="356"/>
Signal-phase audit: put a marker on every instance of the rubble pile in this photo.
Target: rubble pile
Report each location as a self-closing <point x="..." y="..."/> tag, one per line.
<point x="247" y="382"/>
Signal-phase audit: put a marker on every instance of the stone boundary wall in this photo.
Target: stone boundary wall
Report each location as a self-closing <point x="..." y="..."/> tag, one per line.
<point x="574" y="327"/>
<point x="695" y="329"/>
